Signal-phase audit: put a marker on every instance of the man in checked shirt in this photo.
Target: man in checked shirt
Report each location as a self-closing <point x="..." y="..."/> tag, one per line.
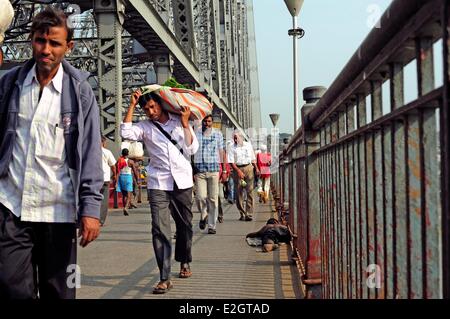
<point x="50" y="166"/>
<point x="209" y="157"/>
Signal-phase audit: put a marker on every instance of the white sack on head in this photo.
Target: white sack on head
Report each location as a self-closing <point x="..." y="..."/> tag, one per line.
<point x="6" y="16"/>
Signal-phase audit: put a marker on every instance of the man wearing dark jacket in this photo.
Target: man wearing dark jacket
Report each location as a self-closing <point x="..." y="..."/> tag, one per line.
<point x="50" y="166"/>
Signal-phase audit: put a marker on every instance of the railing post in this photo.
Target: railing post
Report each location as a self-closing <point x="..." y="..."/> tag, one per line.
<point x="311" y="140"/>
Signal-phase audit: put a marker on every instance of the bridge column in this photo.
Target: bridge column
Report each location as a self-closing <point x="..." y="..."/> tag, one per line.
<point x="313" y="278"/>
<point x="109" y="16"/>
<point x="163" y="65"/>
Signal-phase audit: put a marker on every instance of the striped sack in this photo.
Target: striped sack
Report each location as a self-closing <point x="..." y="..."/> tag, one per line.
<point x="173" y="98"/>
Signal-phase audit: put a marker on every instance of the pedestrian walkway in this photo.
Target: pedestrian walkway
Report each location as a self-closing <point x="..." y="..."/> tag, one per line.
<point x="121" y="263"/>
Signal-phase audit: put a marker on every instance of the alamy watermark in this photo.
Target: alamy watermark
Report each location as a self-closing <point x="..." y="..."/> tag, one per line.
<point x="374" y="276"/>
<point x="374" y="18"/>
<point x="74" y="277"/>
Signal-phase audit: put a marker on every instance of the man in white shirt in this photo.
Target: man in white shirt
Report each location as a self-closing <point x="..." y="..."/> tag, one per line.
<point x="108" y="165"/>
<point x="242" y="158"/>
<point x="170" y="180"/>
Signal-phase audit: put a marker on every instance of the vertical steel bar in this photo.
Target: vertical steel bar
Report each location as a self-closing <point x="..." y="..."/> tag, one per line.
<point x="342" y="200"/>
<point x="337" y="225"/>
<point x="396" y="85"/>
<point x="375" y="202"/>
<point x="329" y="215"/>
<point x="329" y="243"/>
<point x="351" y="199"/>
<point x="363" y="214"/>
<point x="370" y="213"/>
<point x="401" y="244"/>
<point x="331" y="205"/>
<point x="380" y="224"/>
<point x="425" y="65"/>
<point x="322" y="212"/>
<point x="389" y="203"/>
<point x="432" y="210"/>
<point x="322" y="221"/>
<point x="336" y="219"/>
<point x="361" y="111"/>
<point x="376" y="99"/>
<point x="356" y="219"/>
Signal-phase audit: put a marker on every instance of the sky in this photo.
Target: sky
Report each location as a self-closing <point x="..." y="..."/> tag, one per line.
<point x="333" y="32"/>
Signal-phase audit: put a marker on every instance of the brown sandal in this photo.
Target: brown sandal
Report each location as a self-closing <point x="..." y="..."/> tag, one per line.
<point x="185" y="273"/>
<point x="162" y="287"/>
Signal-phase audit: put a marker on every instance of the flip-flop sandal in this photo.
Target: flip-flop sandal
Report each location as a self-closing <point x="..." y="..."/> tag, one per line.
<point x="185" y="273"/>
<point x="162" y="287"/>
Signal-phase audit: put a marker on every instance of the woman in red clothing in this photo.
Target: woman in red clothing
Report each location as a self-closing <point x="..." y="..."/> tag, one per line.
<point x="264" y="160"/>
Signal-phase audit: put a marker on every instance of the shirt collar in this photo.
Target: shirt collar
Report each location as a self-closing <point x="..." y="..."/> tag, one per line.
<point x="56" y="81"/>
<point x="171" y="119"/>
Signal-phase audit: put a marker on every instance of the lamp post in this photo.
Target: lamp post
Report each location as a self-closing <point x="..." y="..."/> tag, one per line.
<point x="294" y="7"/>
<point x="274" y="141"/>
<point x="274" y="136"/>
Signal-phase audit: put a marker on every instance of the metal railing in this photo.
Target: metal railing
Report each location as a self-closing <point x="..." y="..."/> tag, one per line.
<point x="364" y="183"/>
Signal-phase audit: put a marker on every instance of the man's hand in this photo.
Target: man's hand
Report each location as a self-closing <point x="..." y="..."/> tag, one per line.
<point x="135" y="97"/>
<point x="240" y="174"/>
<point x="185" y="113"/>
<point x="89" y="230"/>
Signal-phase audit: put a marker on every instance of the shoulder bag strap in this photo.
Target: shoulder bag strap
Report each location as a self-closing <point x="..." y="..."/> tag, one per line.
<point x="168" y="136"/>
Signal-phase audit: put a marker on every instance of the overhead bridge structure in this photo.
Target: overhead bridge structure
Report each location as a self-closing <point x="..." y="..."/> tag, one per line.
<point x="207" y="45"/>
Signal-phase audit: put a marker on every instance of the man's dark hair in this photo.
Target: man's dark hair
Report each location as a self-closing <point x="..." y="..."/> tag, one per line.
<point x="125" y="152"/>
<point x="48" y="18"/>
<point x="143" y="99"/>
<point x="207" y="117"/>
<point x="103" y="138"/>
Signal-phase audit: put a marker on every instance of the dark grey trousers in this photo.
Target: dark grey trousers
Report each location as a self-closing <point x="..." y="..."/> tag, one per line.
<point x="34" y="258"/>
<point x="105" y="202"/>
<point x="177" y="203"/>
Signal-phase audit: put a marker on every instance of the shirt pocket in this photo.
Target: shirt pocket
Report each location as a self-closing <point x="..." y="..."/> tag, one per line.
<point x="49" y="142"/>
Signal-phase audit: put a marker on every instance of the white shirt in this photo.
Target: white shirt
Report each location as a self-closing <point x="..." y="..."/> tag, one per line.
<point x="108" y="161"/>
<point x="38" y="187"/>
<point x="241" y="154"/>
<point x="167" y="164"/>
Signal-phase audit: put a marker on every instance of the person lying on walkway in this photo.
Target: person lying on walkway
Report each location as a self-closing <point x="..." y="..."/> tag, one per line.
<point x="170" y="180"/>
<point x="272" y="234"/>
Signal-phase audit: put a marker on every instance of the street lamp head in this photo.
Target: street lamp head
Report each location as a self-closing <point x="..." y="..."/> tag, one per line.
<point x="294" y="6"/>
<point x="274" y="118"/>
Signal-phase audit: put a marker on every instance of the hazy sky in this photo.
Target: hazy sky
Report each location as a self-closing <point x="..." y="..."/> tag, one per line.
<point x="334" y="30"/>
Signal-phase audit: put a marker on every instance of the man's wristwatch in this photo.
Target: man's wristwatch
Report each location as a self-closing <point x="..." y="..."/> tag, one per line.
<point x="224" y="172"/>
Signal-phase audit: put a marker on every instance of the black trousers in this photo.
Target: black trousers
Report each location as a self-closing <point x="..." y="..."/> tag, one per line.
<point x="37" y="260"/>
<point x="177" y="203"/>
